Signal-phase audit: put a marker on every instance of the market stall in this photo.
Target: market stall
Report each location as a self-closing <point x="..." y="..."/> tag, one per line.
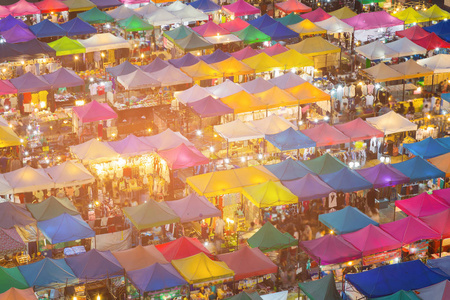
<point x="346" y="220"/>
<point x="139" y="257"/>
<point x="289" y="169"/>
<point x="182" y="247"/>
<point x="268" y="239"/>
<point x="93" y="113"/>
<point x="418" y="169"/>
<point x="65" y="228"/>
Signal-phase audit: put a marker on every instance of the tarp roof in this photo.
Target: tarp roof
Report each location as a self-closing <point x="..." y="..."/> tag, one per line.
<point x="268" y="238"/>
<point x="373" y="20"/>
<point x="251" y="34"/>
<point x="94" y="111"/>
<point x="186" y="12"/>
<point x="205" y="5"/>
<point x="406" y="276"/>
<point x="162" y="17"/>
<point x="11" y="278"/>
<point x="182" y="157"/>
<point x="9" y="22"/>
<point x="79" y="5"/>
<point x="410" y="230"/>
<point x="10" y="52"/>
<point x="123" y="69"/>
<point x="439" y="222"/>
<point x="137" y="80"/>
<point x="210" y="29"/>
<point x="245" y="53"/>
<point x="410" y="16"/>
<point x="122" y="12"/>
<point x="232" y="67"/>
<point x="23" y="8"/>
<point x="442" y="162"/>
<point x="411" y="69"/>
<point x="262" y="21"/>
<point x="275" y="49"/>
<point x="76" y="26"/>
<point x="413" y="33"/>
<point x="104" y="41"/>
<point x="201" y="71"/>
<point x="185" y="61"/>
<point x="442" y="29"/>
<point x="308" y="187"/>
<point x="192" y="94"/>
<point x="132" y="146"/>
<point x="156" y="65"/>
<point x="306" y="27"/>
<point x="245" y="296"/>
<point x="167" y="139"/>
<point x="225" y="89"/>
<point x="222" y="39"/>
<point x="421" y="205"/>
<point x="134" y="23"/>
<point x="314" y="46"/>
<point x="343" y="13"/>
<point x="216" y="56"/>
<point x="400" y="295"/>
<point x="237" y="131"/>
<point x="210" y="107"/>
<point x="441" y="264"/>
<point x="13" y="214"/>
<point x="443" y="195"/>
<point x="63" y="78"/>
<point x="439" y="63"/>
<point x="376" y="50"/>
<point x="382" y="73"/>
<point x="427" y="148"/>
<point x="17" y="34"/>
<point x="67" y="46"/>
<point x="247" y="262"/>
<point x="147" y="9"/>
<point x="17" y="294"/>
<point x="278" y="31"/>
<point x="95" y="16"/>
<point x="68" y="174"/>
<point x="358" y="130"/>
<point x="334" y="25"/>
<point x="65" y="228"/>
<point x="317" y="15"/>
<point x="392" y="122"/>
<point x="95" y="264"/>
<point x="324" y="164"/>
<point x="28" y="179"/>
<point x="8" y="138"/>
<point x="52" y="207"/>
<point x="178" y="33"/>
<point x="287" y="80"/>
<point x="438" y="291"/>
<point x="346" y="220"/>
<point x="435" y="13"/>
<point x="244" y="102"/>
<point x="94" y="150"/>
<point x="405" y="47"/>
<point x="293" y="6"/>
<point x="346" y="180"/>
<point x="240" y="8"/>
<point x="431" y="42"/>
<point x="272" y="124"/>
<point x="276" y="97"/>
<point x="269" y="194"/>
<point x="257" y="85"/>
<point x="289" y="169"/>
<point x="156" y="277"/>
<point x="234" y="25"/>
<point x="326" y="135"/>
<point x="11" y="242"/>
<point x="290" y="139"/>
<point x="182" y="248"/>
<point x="170" y="76"/>
<point x="290" y="19"/>
<point x="106" y="3"/>
<point x="263" y="63"/>
<point x="383" y="175"/>
<point x="139" y="257"/>
<point x="46" y="28"/>
<point x="49" y="6"/>
<point x="150" y="214"/>
<point x="322" y="289"/>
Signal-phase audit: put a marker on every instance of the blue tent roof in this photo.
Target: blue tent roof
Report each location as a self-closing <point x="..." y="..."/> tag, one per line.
<point x="346" y="180"/>
<point x="77" y="26"/>
<point x="217" y="56"/>
<point x="418" y="169"/>
<point x="95" y="264"/>
<point x="346" y="220"/>
<point x="9" y="22"/>
<point x="440" y="265"/>
<point x="289" y="169"/>
<point x="205" y="5"/>
<point x="47" y="28"/>
<point x="290" y="139"/>
<point x="156" y="277"/>
<point x="390" y="279"/>
<point x="263" y="21"/>
<point x="441" y="29"/>
<point x="446" y="140"/>
<point x="48" y="272"/>
<point x="428" y="148"/>
<point x="65" y="228"/>
<point x="187" y="60"/>
<point x="278" y="31"/>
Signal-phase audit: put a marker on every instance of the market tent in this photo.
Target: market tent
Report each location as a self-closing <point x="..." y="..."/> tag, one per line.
<point x="324" y="164"/>
<point x="95" y="16"/>
<point x="76" y="26"/>
<point x="262" y="21"/>
<point x="240" y="8"/>
<point x="248" y="262"/>
<point x="389" y="279"/>
<point x="232" y="67"/>
<point x="346" y="220"/>
<point x="290" y="139"/>
<point x="334" y="25"/>
<point x="315" y="46"/>
<point x="48" y="273"/>
<point x="268" y="238"/>
<point x="435" y="13"/>
<point x="16" y="294"/>
<point x="247" y="52"/>
<point x="257" y="85"/>
<point x="225" y="89"/>
<point x="183" y="157"/>
<point x="193" y="42"/>
<point x="237" y="131"/>
<point x="269" y="194"/>
<point x="317" y="15"/>
<point x="107" y="3"/>
<point x="139" y="257"/>
<point x="410" y="230"/>
<point x="343" y="13"/>
<point x="234" y="25"/>
<point x="103" y="42"/>
<point x="186" y="12"/>
<point x="330" y="249"/>
<point x="308" y="93"/>
<point x="359" y="130"/>
<point x="346" y="180"/>
<point x="382" y="73"/>
<point x="413" y="33"/>
<point x="28" y="179"/>
<point x="13" y="214"/>
<point x="326" y="135"/>
<point x="278" y="31"/>
<point x="410" y="16"/>
<point x="95" y="264"/>
<point x="421" y="205"/>
<point x="439" y="63"/>
<point x="441" y="264"/>
<point x="17" y="34"/>
<point x="69" y="174"/>
<point x="49" y="6"/>
<point x="276" y="97"/>
<point x="6" y="87"/>
<point x="170" y="76"/>
<point x="65" y="228"/>
<point x="79" y="5"/>
<point x="161" y="17"/>
<point x="11" y="52"/>
<point x="150" y="214"/>
<point x="94" y="150"/>
<point x="443" y="195"/>
<point x="322" y="289"/>
<point x="23" y="8"/>
<point x="308" y="187"/>
<point x="201" y="71"/>
<point x="251" y="34"/>
<point x="290" y="19"/>
<point x="391" y="123"/>
<point x="405" y="47"/>
<point x="373" y="20"/>
<point x="439" y="222"/>
<point x="275" y="49"/>
<point x="400" y="295"/>
<point x="146" y="10"/>
<point x="178" y="33"/>
<point x="123" y="69"/>
<point x="52" y="207"/>
<point x="9" y="22"/>
<point x="418" y="169"/>
<point x="210" y="107"/>
<point x="134" y="23"/>
<point x="63" y="78"/>
<point x="243" y="102"/>
<point x="205" y="5"/>
<point x="287" y="80"/>
<point x="185" y="61"/>
<point x="132" y="146"/>
<point x="193" y="208"/>
<point x="438" y="291"/>
<point x="122" y="12"/>
<point x="47" y="28"/>
<point x="442" y="162"/>
<point x="431" y="42"/>
<point x="245" y="296"/>
<point x="8" y="138"/>
<point x="167" y="139"/>
<point x="156" y="65"/>
<point x="272" y="124"/>
<point x="427" y="148"/>
<point x="182" y="248"/>
<point x="216" y="56"/>
<point x="11" y="242"/>
<point x="293" y="6"/>
<point x="383" y="175"/>
<point x="11" y="278"/>
<point x="66" y="46"/>
<point x="138" y="80"/>
<point x="289" y="169"/>
<point x="192" y="94"/>
<point x="411" y="69"/>
<point x="156" y="277"/>
<point x="263" y="63"/>
<point x="376" y="50"/>
<point x="200" y="268"/>
<point x="210" y="29"/>
<point x="94" y="111"/>
<point x="306" y="27"/>
<point x="442" y="29"/>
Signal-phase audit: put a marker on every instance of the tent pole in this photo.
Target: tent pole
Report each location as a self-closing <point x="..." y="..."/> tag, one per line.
<point x="440" y="248"/>
<point x="404" y="84"/>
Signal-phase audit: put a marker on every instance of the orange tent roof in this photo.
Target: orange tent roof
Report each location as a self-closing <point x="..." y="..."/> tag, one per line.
<point x="201" y="70"/>
<point x="276" y="97"/>
<point x="231" y="66"/>
<point x="263" y="63"/>
<point x="307" y="93"/>
<point x="243" y="102"/>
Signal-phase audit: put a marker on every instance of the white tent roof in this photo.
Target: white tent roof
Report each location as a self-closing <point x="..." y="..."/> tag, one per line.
<point x="121" y="12"/>
<point x="376" y="50"/>
<point x="94" y="151"/>
<point x="391" y="123"/>
<point x="3" y="122"/>
<point x="272" y="124"/>
<point x="222" y="39"/>
<point x="69" y="174"/>
<point x="5" y="188"/>
<point x="405" y="47"/>
<point x="257" y="85"/>
<point x="162" y="17"/>
<point x="225" y="89"/>
<point x="145" y="10"/>
<point x="334" y="25"/>
<point x="185" y="12"/>
<point x="438" y="63"/>
<point x="28" y="179"/>
<point x="192" y="94"/>
<point x="138" y="80"/>
<point x="175" y="6"/>
<point x="237" y="131"/>
<point x="171" y="76"/>
<point x="276" y="296"/>
<point x="167" y="139"/>
<point x="286" y="81"/>
<point x="104" y="41"/>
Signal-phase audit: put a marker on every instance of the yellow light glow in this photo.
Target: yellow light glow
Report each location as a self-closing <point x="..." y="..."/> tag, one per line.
<point x="103" y="54"/>
<point x="76" y="57"/>
<point x="142" y="55"/>
<point x="350" y="263"/>
<point x="79" y="102"/>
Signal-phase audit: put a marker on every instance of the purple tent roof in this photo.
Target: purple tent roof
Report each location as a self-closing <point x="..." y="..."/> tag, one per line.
<point x="63" y="78"/>
<point x="188" y="60"/>
<point x="245" y="53"/>
<point x="421" y="205"/>
<point x="17" y="34"/>
<point x="372" y="20"/>
<point x="217" y="56"/>
<point x="210" y="107"/>
<point x="29" y="82"/>
<point x="193" y="208"/>
<point x="383" y="175"/>
<point x="308" y="187"/>
<point x="9" y="22"/>
<point x="156" y="65"/>
<point x="410" y="230"/>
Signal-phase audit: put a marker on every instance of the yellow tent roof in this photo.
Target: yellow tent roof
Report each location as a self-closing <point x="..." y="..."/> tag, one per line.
<point x="442" y="162"/>
<point x="200" y="268"/>
<point x="307" y="27"/>
<point x="269" y="194"/>
<point x="243" y="102"/>
<point x="231" y="66"/>
<point x="314" y="46"/>
<point x="381" y="73"/>
<point x="262" y="63"/>
<point x="293" y="59"/>
<point x="201" y="70"/>
<point x="276" y="97"/>
<point x="435" y="13"/>
<point x="8" y="137"/>
<point x="228" y="181"/>
<point x="343" y="13"/>
<point x="308" y="93"/>
<point x="410" y="15"/>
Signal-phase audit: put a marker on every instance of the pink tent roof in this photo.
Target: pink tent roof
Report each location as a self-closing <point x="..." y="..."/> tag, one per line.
<point x="371" y="239"/>
<point x="235" y="25"/>
<point x="410" y="230"/>
<point x="248" y="262"/>
<point x="330" y="249"/>
<point x="132" y="145"/>
<point x="48" y="6"/>
<point x="18" y="34"/>
<point x="421" y="205"/>
<point x="4" y="11"/>
<point x="274" y="50"/>
<point x="359" y="130"/>
<point x="290" y="6"/>
<point x="326" y="135"/>
<point x="210" y="29"/>
<point x="6" y="87"/>
<point x="182" y="248"/>
<point x="194" y="208"/>
<point x="413" y="33"/>
<point x="241" y="8"/>
<point x="244" y="53"/>
<point x="183" y="157"/>
<point x="443" y="195"/>
<point x="94" y="111"/>
<point x="439" y="222"/>
<point x="373" y="20"/>
<point x="316" y="15"/>
<point x="23" y="8"/>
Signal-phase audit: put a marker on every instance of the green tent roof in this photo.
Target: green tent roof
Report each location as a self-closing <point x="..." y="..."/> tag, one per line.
<point x="324" y="164"/>
<point x="134" y="23"/>
<point x="95" y="16"/>
<point x="268" y="238"/>
<point x="290" y="19"/>
<point x="11" y="277"/>
<point x="400" y="295"/>
<point x="371" y="1"/>
<point x="178" y="33"/>
<point x="252" y="35"/>
<point x="322" y="289"/>
<point x="193" y="42"/>
<point x="52" y="207"/>
<point x="67" y="46"/>
<point x="151" y="214"/>
<point x="245" y="296"/>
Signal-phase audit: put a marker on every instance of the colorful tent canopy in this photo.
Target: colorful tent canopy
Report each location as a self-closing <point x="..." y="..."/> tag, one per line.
<point x="326" y="135"/>
<point x="391" y="123"/>
<point x="263" y="63"/>
<point x="275" y="49"/>
<point x="6" y="87"/>
<point x="106" y="3"/>
<point x="317" y="15"/>
<point x="103" y="42"/>
<point x="232" y="67"/>
<point x="247" y="52"/>
<point x="185" y="61"/>
<point x="12" y="214"/>
<point x="293" y="6"/>
<point x="201" y="71"/>
<point x="132" y="146"/>
<point x="5" y="188"/>
<point x="8" y="138"/>
<point x="17" y="34"/>
<point x="122" y="12"/>
<point x="334" y="25"/>
<point x="250" y="35"/>
<point x="330" y="249"/>
<point x="405" y="47"/>
<point x="421" y="205"/>
<point x="28" y="179"/>
<point x="205" y="5"/>
<point x="427" y="148"/>
<point x="410" y="16"/>
<point x="9" y="22"/>
<point x="435" y="13"/>
<point x="94" y="111"/>
<point x="23" y="8"/>
<point x="308" y="187"/>
<point x="268" y="238"/>
<point x="167" y="139"/>
<point x="283" y="295"/>
<point x="52" y="207"/>
<point x="156" y="65"/>
<point x="4" y="12"/>
<point x="442" y="162"/>
<point x="269" y="194"/>
<point x="411" y="69"/>
<point x="272" y="124"/>
<point x="225" y="89"/>
<point x="409" y="230"/>
<point x="276" y="97"/>
<point x="178" y="33"/>
<point x="138" y="80"/>
<point x="240" y="8"/>
<point x="69" y="174"/>
<point x="439" y="222"/>
<point x="245" y="296"/>
<point x="182" y="248"/>
<point x="16" y="294"/>
<point x="156" y="277"/>
<point x="442" y="29"/>
<point x="346" y="180"/>
<point x="11" y="278"/>
<point x="95" y="264"/>
<point x="139" y="257"/>
<point x="134" y="23"/>
<point x="431" y="42"/>
<point x="373" y="20"/>
<point x="343" y="13"/>
<point x="151" y="214"/>
<point x="439" y="63"/>
<point x="34" y="49"/>
<point x="383" y="175"/>
<point x="322" y="289"/>
<point x="79" y="5"/>
<point x="257" y="85"/>
<point x="237" y="130"/>
<point x="161" y="17"/>
<point x="210" y="29"/>
<point x="436" y="291"/>
<point x="400" y="295"/>
<point x="290" y="139"/>
<point x="185" y="12"/>
<point x="66" y="46"/>
<point x="200" y="268"/>
<point x="290" y="19"/>
<point x="46" y="28"/>
<point x="95" y="16"/>
<point x="314" y="46"/>
<point x="11" y="242"/>
<point x="234" y="25"/>
<point x="262" y="21"/>
<point x="243" y="102"/>
<point x="278" y="32"/>
<point x="247" y="262"/>
<point x="441" y="264"/>
<point x="306" y="27"/>
<point x="63" y="78"/>
<point x="407" y="276"/>
<point x="376" y="50"/>
<point x="346" y="220"/>
<point x="49" y="6"/>
<point x="287" y="80"/>
<point x="413" y="33"/>
<point x="193" y="42"/>
<point x="170" y="76"/>
<point x="358" y="130"/>
<point x="210" y="107"/>
<point x="192" y="94"/>
<point x="324" y="164"/>
<point x="76" y="26"/>
<point x="65" y="228"/>
<point x="382" y="73"/>
<point x="123" y="69"/>
<point x="94" y="150"/>
<point x="289" y="169"/>
<point x="418" y="169"/>
<point x="443" y="195"/>
<point x="183" y="157"/>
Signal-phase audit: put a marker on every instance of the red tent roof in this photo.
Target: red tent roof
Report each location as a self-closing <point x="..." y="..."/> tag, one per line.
<point x="439" y="222"/>
<point x="210" y="29"/>
<point x="274" y="50"/>
<point x="410" y="230"/>
<point x="244" y="53"/>
<point x="359" y="130"/>
<point x="413" y="33"/>
<point x="23" y="8"/>
<point x="248" y="262"/>
<point x="291" y="6"/>
<point x="316" y="15"/>
<point x="371" y="239"/>
<point x="48" y="6"/>
<point x="241" y="8"/>
<point x="181" y="248"/>
<point x="431" y="42"/>
<point x="6" y="87"/>
<point x="183" y="157"/>
<point x="94" y="111"/>
<point x="326" y="135"/>
<point x="421" y="205"/>
<point x="235" y="25"/>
